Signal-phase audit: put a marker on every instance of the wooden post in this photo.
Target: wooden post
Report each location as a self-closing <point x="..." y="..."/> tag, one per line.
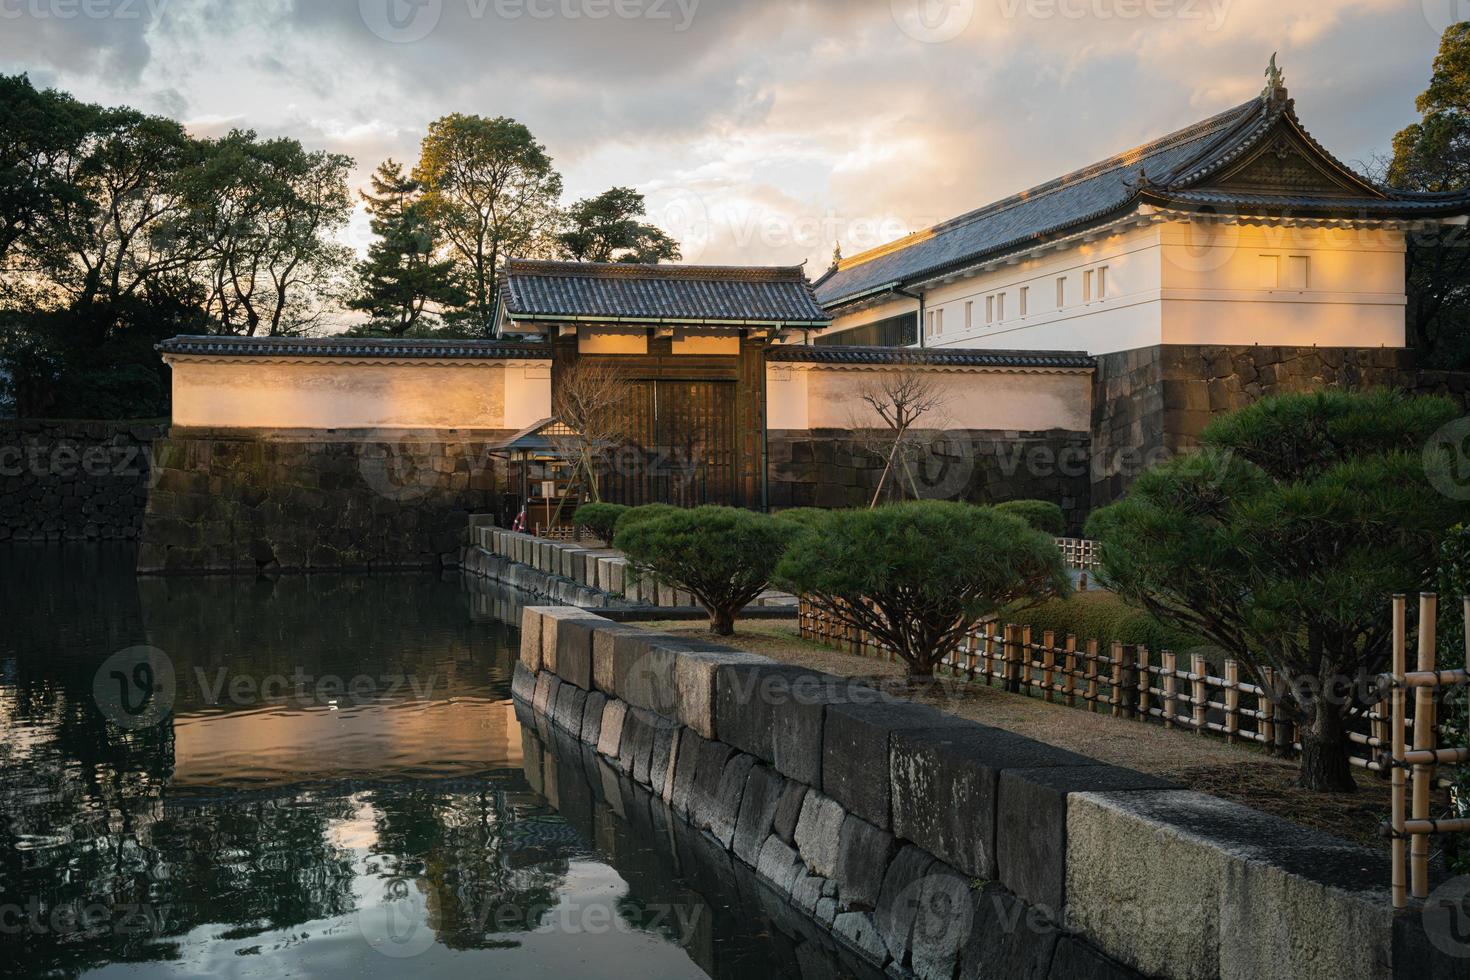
<point x="1199" y="694"/>
<point x="1171" y="686"/>
<point x="1048" y="664"/>
<point x="1423" y="741"/>
<point x="1115" y="654"/>
<point x="1025" y="658"/>
<point x="1268" y="709"/>
<point x="1012" y="649"/>
<point x="1396" y="777"/>
<point x="1091" y="657"/>
<point x="1145" y="681"/>
<point x="1232" y="701"/>
<point x="1069" y="676"/>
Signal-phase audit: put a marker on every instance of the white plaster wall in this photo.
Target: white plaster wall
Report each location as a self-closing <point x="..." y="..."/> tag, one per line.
<point x="1180" y="282"/>
<point x="527" y="393"/>
<point x="268" y="393"/>
<point x="803" y="397"/>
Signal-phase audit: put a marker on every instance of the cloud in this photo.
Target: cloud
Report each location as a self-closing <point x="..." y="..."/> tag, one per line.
<point x="760" y="130"/>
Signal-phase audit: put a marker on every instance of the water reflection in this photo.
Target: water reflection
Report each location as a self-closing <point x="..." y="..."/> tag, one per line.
<point x="341" y="788"/>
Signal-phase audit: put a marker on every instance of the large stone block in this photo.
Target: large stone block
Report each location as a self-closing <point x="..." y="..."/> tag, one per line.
<point x="942" y="923"/>
<point x="1007" y="939"/>
<point x="592" y="710"/>
<point x="610" y="738"/>
<point x="642" y="725"/>
<point x="523" y="683"/>
<point x="551" y="618"/>
<point x="898" y="901"/>
<point x="686" y="768"/>
<point x="604" y="661"/>
<point x="1224" y="891"/>
<point x="855" y="742"/>
<point x="1031" y="825"/>
<point x="945" y="785"/>
<point x="1074" y="959"/>
<point x="763" y="791"/>
<point x="571" y="701"/>
<point x="863" y="855"/>
<point x="788" y="811"/>
<point x="705" y="797"/>
<point x="665" y="737"/>
<point x="694" y="685"/>
<point x="531" y="638"/>
<point x="775" y="712"/>
<point x="779" y="865"/>
<point x="642" y="670"/>
<point x="574" y="649"/>
<point x="547" y="686"/>
<point x="859" y="930"/>
<point x="726" y="810"/>
<point x="819" y="833"/>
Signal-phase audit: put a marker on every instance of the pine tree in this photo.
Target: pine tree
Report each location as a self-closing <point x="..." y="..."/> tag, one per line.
<point x="401" y="278"/>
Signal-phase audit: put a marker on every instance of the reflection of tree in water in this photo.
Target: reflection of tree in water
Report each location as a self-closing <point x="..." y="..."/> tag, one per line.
<point x="469" y="852"/>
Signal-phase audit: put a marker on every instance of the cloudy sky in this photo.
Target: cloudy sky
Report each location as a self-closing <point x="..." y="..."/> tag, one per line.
<point x="760" y="130"/>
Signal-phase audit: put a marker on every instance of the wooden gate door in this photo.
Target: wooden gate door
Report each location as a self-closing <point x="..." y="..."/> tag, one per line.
<point x="681" y="445"/>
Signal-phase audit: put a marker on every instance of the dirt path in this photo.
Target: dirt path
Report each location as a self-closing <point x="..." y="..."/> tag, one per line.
<point x="1241" y="773"/>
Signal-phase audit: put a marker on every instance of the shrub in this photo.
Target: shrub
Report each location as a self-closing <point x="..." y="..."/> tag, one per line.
<point x="600" y="518"/>
<point x="1040" y="514"/>
<point x="1282" y="540"/>
<point x="919" y="575"/>
<point x="805" y="516"/>
<point x="722" y="556"/>
<point x="1103" y="617"/>
<point x="633" y="515"/>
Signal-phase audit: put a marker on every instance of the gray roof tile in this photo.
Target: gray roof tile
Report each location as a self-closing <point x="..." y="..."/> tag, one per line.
<point x="932" y="356"/>
<point x="353" y="347"/>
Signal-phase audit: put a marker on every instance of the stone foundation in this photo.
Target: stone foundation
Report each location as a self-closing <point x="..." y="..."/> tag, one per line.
<point x="74" y="481"/>
<point x="841" y="468"/>
<point x="987" y="854"/>
<point x="237" y="501"/>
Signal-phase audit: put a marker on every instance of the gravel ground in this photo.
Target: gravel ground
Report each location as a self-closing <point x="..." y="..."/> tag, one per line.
<point x="1241" y="773"/>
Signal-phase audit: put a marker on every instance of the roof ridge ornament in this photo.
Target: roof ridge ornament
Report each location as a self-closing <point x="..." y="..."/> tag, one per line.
<point x="1275" y="89"/>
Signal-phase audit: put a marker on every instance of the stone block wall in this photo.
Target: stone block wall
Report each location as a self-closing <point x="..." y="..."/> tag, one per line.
<point x="987" y="853"/>
<point x="842" y="468"/>
<point x="1152" y="403"/>
<point x="241" y="502"/>
<point x="74" y="480"/>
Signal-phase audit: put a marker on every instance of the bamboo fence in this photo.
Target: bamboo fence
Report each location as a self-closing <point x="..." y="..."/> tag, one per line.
<point x="1414" y="770"/>
<point x="1187" y="693"/>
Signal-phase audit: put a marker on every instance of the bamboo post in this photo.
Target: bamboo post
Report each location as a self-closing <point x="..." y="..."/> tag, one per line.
<point x="1048" y="664"/>
<point x="1145" y="680"/>
<point x="1232" y="701"/>
<point x="1091" y="657"/>
<point x="1423" y="741"/>
<point x="1198" y="692"/>
<point x="1171" y="685"/>
<point x="1069" y="668"/>
<point x="1012" y="650"/>
<point x="1115" y="654"/>
<point x="1268" y="709"/>
<point x="1025" y="659"/>
<point x="1396" y="710"/>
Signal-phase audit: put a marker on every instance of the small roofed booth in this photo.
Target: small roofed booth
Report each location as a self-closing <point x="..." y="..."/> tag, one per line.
<point x="685" y="347"/>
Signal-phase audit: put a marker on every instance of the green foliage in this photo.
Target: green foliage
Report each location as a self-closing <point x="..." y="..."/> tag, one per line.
<point x="919" y="575"/>
<point x="1433" y="155"/>
<point x="636" y="515"/>
<point x="1040" y="514"/>
<point x="805" y="516"/>
<point x="606" y="228"/>
<point x="721" y="555"/>
<point x="1103" y="617"/>
<point x="601" y="518"/>
<point x="1281" y="542"/>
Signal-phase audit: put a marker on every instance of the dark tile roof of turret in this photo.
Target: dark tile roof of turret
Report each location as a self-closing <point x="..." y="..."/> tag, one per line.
<point x="368" y="347"/>
<point x="623" y="291"/>
<point x="1173" y="172"/>
<point x="932" y="357"/>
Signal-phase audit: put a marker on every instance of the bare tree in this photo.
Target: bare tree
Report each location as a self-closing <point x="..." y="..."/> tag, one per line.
<point x="591" y="404"/>
<point x="900" y="399"/>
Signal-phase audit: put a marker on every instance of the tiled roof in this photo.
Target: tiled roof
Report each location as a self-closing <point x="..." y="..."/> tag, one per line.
<point x="1166" y="171"/>
<point x="932" y="356"/>
<point x="613" y="291"/>
<point x="353" y="347"/>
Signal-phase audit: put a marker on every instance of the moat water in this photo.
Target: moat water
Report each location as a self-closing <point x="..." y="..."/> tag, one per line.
<point x="325" y="776"/>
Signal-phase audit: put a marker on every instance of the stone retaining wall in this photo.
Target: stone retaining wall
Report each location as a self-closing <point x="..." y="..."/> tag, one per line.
<point x="939" y="847"/>
<point x="839" y="468"/>
<point x="249" y="502"/>
<point x="74" y="481"/>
